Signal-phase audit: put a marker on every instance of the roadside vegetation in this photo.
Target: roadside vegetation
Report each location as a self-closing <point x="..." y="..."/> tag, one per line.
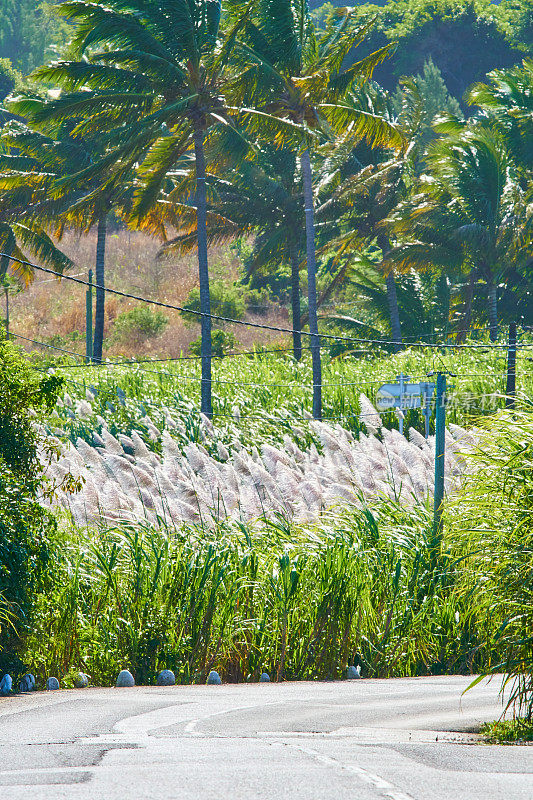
<point x="512" y="731"/>
<point x="356" y="200"/>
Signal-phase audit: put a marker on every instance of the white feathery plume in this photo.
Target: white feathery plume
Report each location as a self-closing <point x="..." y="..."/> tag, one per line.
<point x="368" y="415"/>
<point x="112" y="445"/>
<point x="207" y="424"/>
<point x="222" y="451"/>
<point x="417" y="439"/>
<point x="141" y="450"/>
<point x="84" y="409"/>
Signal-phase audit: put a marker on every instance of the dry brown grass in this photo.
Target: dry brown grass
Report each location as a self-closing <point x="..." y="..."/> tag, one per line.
<point x="52" y="308"/>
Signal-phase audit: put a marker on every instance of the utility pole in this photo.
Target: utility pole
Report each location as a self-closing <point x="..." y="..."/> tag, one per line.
<point x="510" y="390"/>
<point x="89" y="320"/>
<point x="440" y="442"/>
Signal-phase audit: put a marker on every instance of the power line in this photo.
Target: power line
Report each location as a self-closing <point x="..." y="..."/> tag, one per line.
<point x="361" y="382"/>
<point x="246" y="323"/>
<point x="135" y="361"/>
<point x="51" y="346"/>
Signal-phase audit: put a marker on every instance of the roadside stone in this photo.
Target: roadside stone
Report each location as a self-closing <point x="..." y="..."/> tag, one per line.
<point x="27" y="684"/>
<point x="353" y="672"/>
<point x="81" y="681"/>
<point x="265" y="678"/>
<point x="166" y="678"/>
<point x="52" y="684"/>
<point x="213" y="679"/>
<point x="6" y="684"/>
<point x="125" y="679"/>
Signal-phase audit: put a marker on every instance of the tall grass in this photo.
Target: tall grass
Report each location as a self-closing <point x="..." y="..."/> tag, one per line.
<point x="266" y="389"/>
<point x="367" y="587"/>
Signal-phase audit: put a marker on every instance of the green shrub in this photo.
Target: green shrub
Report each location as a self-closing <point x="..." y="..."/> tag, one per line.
<point x="510" y="730"/>
<point x="226" y="301"/>
<point x="137" y="324"/>
<point x="221" y="343"/>
<point x="25" y="526"/>
<point x="258" y="301"/>
<point x="492" y="522"/>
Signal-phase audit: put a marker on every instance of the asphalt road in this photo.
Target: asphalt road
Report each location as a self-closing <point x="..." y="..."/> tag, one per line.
<point x="350" y="740"/>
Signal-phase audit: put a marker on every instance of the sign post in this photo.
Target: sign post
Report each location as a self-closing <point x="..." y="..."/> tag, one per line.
<point x="405" y="395"/>
<point x="401" y="378"/>
<point x="440" y="441"/>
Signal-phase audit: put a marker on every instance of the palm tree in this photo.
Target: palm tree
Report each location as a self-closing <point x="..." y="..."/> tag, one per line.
<point x="507" y="100"/>
<point x="263" y="196"/>
<point x="296" y="85"/>
<point x="51" y="157"/>
<point x="24" y="224"/>
<point x="469" y="210"/>
<point x="357" y="211"/>
<point x="151" y="74"/>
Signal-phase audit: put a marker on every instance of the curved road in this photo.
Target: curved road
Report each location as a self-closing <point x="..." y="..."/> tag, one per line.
<point x="404" y="739"/>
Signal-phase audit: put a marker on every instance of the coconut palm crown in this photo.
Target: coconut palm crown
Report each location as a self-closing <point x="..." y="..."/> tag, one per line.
<point x="298" y="91"/>
<point x="469" y="210"/>
<point x="151" y="74"/>
<point x="25" y="208"/>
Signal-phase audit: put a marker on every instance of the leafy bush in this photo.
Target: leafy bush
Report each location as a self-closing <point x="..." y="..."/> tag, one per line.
<point x="226" y="301"/>
<point x="510" y="730"/>
<point x="258" y="301"/>
<point x="221" y="343"/>
<point x="492" y="521"/>
<point x="137" y="324"/>
<point x="25" y="526"/>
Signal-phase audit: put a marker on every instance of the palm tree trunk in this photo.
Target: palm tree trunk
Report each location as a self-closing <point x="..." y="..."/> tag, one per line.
<point x="392" y="298"/>
<point x="99" y="314"/>
<point x="493" y="312"/>
<point x="295" y="299"/>
<point x="203" y="272"/>
<point x="307" y="177"/>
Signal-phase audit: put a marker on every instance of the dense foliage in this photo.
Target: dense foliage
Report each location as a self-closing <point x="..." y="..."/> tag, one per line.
<point x="25" y="526"/>
<point x="494" y="516"/>
<point x="363" y="588"/>
<point x="464" y="38"/>
<point x="30" y="31"/>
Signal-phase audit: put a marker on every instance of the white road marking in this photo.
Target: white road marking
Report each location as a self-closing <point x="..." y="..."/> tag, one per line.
<point x="386" y="788"/>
